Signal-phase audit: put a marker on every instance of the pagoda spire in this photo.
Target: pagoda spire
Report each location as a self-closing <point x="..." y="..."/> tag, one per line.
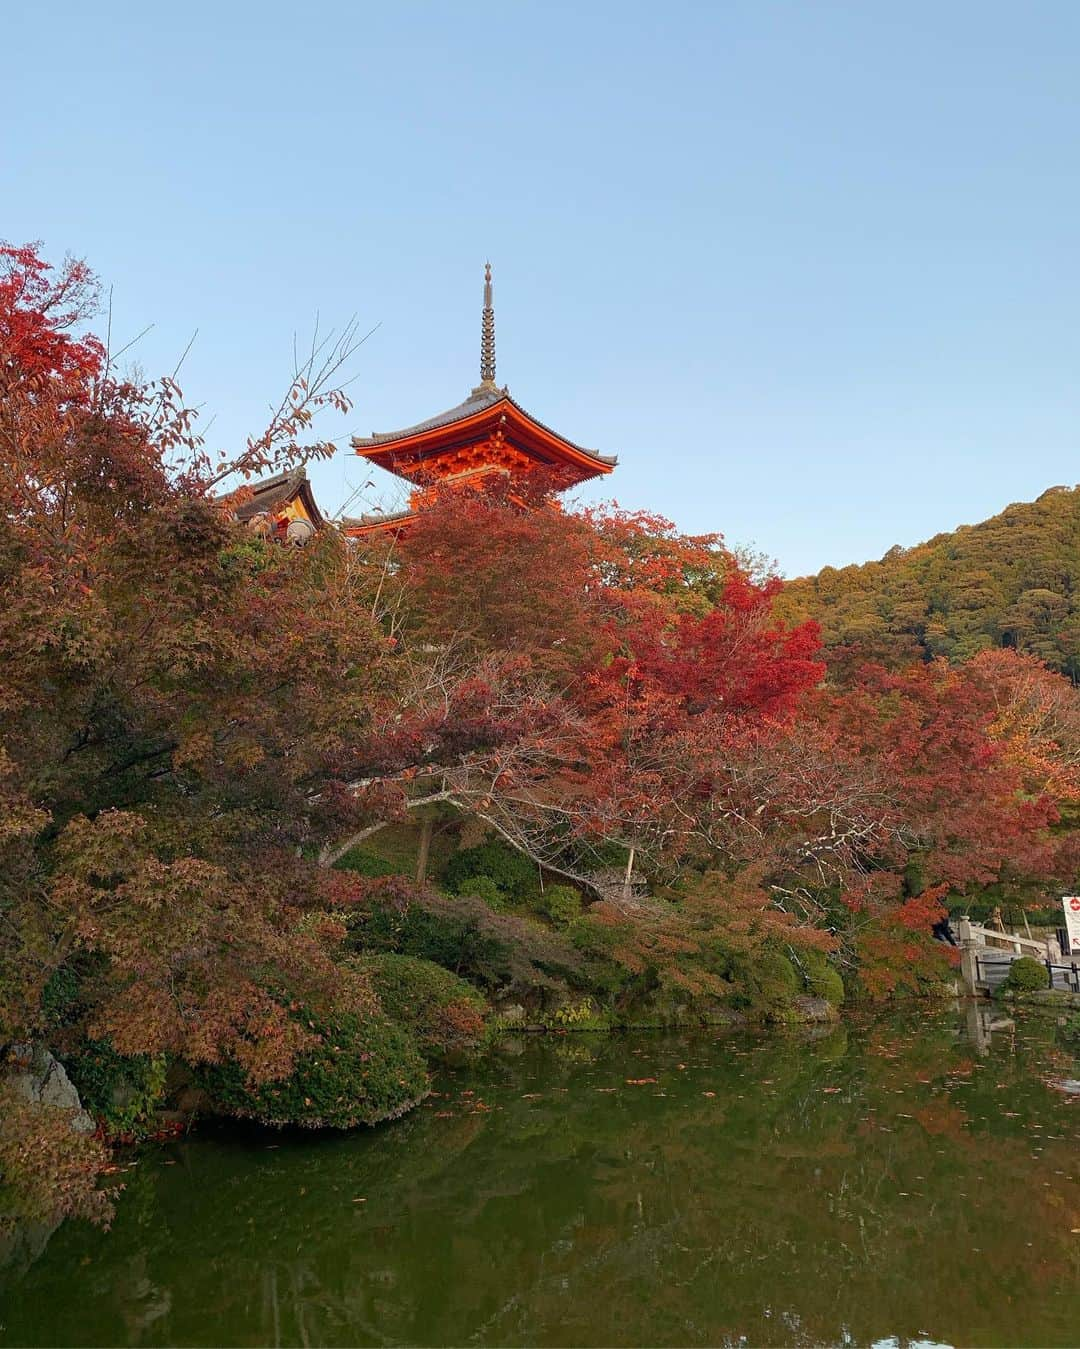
<point x="487" y="334"/>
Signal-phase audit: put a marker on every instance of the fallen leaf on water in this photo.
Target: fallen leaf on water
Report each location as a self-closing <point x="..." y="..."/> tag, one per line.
<point x="639" y="1081"/>
<point x="708" y="1093"/>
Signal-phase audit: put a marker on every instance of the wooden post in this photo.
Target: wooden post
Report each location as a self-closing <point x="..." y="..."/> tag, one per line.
<point x="425" y="848"/>
<point x="626" y="889"/>
<point x="969" y="948"/>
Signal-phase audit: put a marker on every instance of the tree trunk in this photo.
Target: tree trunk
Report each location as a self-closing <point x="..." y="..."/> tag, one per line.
<point x="425" y="848"/>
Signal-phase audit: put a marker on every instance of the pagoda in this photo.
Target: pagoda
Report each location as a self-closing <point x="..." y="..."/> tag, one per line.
<point x="489" y="433"/>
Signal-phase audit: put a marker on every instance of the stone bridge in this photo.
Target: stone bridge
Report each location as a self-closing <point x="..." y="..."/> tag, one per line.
<point x="986" y="955"/>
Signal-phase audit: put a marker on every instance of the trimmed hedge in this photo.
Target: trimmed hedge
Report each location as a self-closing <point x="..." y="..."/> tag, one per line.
<point x="483" y="887"/>
<point x="455" y="942"/>
<point x="370" y="864"/>
<point x="441" y="1010"/>
<point x="1025" y="976"/>
<point x="366" y="1070"/>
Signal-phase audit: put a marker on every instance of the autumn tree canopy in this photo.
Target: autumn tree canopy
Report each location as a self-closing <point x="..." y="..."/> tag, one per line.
<point x="198" y="727"/>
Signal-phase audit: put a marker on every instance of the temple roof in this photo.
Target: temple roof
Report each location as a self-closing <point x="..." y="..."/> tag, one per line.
<point x="358" y="524"/>
<point x="480" y="400"/>
<point x="272" y="494"/>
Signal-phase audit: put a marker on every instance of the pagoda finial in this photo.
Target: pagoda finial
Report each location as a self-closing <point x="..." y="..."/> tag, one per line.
<point x="487" y="333"/>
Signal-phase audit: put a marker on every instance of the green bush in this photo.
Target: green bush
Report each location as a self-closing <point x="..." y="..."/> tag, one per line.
<point x="777" y="975"/>
<point x="598" y="943"/>
<point x="441" y="1010"/>
<point x="61" y="998"/>
<point x="1025" y="976"/>
<point x="561" y="904"/>
<point x="483" y="887"/>
<point x="580" y="1016"/>
<point x="364" y="1071"/>
<point x="456" y="943"/>
<point x="822" y="979"/>
<point x="513" y="873"/>
<point x="508" y="954"/>
<point x="370" y="864"/>
<point x="121" y="1092"/>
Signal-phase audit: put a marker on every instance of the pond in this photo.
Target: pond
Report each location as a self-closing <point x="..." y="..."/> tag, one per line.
<point x="909" y="1181"/>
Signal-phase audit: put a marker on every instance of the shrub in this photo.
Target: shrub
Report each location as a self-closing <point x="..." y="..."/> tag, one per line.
<point x="366" y="863"/>
<point x="777" y="977"/>
<point x="583" y="1015"/>
<point x="1025" y="976"/>
<point x="483" y="887"/>
<point x="822" y="979"/>
<point x="598" y="944"/>
<point x="438" y="1008"/>
<point x="453" y="940"/>
<point x="364" y="1071"/>
<point x="513" y="873"/>
<point x="561" y="904"/>
<point x="121" y="1092"/>
<point x="502" y="952"/>
<point x="48" y="1170"/>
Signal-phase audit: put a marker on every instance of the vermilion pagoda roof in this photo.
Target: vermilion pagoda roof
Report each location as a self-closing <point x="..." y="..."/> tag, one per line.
<point x="487" y="409"/>
<point x="487" y="433"/>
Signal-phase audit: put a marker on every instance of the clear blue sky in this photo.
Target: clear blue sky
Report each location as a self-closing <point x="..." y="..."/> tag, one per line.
<point x="809" y="269"/>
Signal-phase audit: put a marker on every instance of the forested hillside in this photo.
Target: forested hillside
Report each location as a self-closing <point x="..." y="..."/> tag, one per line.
<point x="1010" y="581"/>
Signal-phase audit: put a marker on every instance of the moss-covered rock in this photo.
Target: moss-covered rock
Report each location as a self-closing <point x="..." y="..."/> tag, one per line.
<point x="814" y="1010"/>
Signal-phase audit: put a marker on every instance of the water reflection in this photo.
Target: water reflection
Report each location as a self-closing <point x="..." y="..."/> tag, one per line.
<point x="981" y="1020"/>
<point x="901" y="1183"/>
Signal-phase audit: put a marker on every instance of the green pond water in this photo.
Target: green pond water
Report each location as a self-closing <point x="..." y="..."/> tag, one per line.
<point x="910" y="1181"/>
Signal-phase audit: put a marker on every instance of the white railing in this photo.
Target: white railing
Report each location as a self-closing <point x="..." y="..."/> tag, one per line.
<point x="987" y="936"/>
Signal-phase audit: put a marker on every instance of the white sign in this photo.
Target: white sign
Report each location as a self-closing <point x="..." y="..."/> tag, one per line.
<point x="1071" y="905"/>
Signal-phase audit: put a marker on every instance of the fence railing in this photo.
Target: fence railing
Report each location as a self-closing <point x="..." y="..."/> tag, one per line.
<point x="1021" y="945"/>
